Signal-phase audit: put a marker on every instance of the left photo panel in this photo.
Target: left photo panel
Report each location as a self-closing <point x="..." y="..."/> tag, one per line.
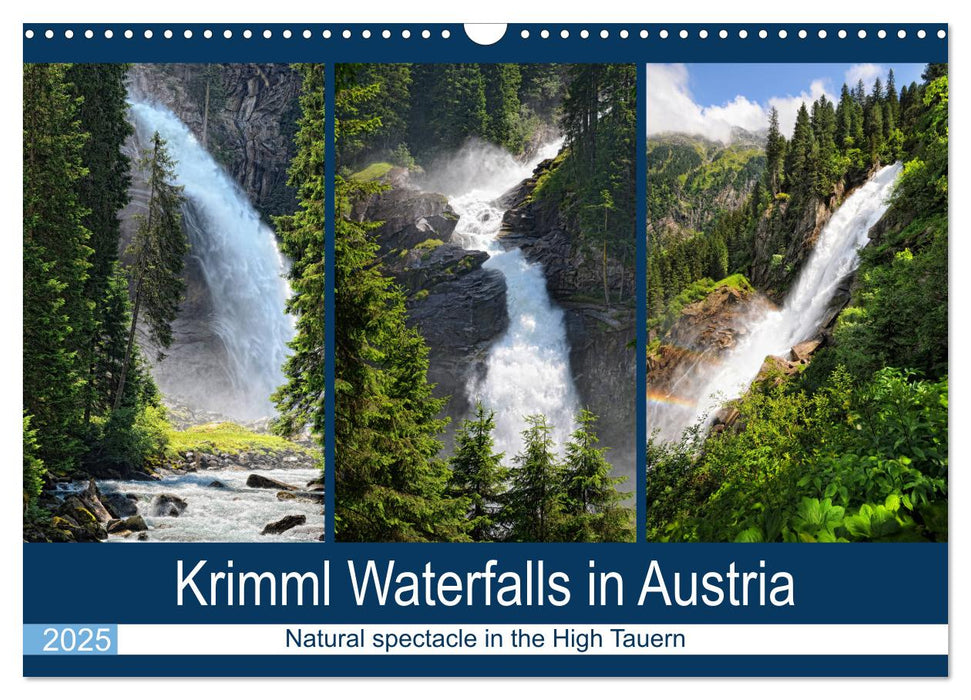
<point x="173" y="302"/>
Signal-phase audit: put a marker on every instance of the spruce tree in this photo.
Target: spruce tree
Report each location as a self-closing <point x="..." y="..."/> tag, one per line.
<point x="55" y="266"/>
<point x="157" y="255"/>
<point x="775" y="147"/>
<point x="390" y="481"/>
<point x="301" y="234"/>
<point x="533" y="507"/>
<point x="592" y="507"/>
<point x="478" y="476"/>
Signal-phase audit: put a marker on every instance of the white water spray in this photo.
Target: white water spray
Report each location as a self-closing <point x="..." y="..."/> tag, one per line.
<point x="774" y="332"/>
<point x="528" y="368"/>
<point x="243" y="268"/>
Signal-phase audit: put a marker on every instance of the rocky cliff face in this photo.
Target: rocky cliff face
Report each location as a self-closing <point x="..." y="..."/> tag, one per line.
<point x="459" y="307"/>
<point x="243" y="113"/>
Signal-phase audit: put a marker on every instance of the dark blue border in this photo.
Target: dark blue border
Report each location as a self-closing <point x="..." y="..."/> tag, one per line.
<point x="489" y="666"/>
<point x="511" y="48"/>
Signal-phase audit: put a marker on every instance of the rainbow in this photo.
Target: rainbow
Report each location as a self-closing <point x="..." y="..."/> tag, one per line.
<point x="656" y="397"/>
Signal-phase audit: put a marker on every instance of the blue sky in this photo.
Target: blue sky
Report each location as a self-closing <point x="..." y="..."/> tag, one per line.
<point x="712" y="98"/>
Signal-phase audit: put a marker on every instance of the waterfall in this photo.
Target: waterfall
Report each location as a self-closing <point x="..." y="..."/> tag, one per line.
<point x="242" y="268"/>
<point x="705" y="386"/>
<point x="528" y="368"/>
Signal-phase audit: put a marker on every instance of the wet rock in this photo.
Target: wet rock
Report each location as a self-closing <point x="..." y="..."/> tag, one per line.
<point x="216" y="484"/>
<point x="309" y="496"/>
<point x="135" y="523"/>
<point x="77" y="522"/>
<point x="283" y="524"/>
<point x="119" y="505"/>
<point x="167" y="505"/>
<point x="803" y="352"/>
<point x="258" y="481"/>
<point x="142" y="536"/>
<point x="91" y="499"/>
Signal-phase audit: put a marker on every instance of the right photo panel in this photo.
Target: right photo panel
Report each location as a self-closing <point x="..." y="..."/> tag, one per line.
<point x="797" y="290"/>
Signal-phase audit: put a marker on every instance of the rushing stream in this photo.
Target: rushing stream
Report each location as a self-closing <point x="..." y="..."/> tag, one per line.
<point x="236" y="513"/>
<point x="705" y="386"/>
<point x="528" y="368"/>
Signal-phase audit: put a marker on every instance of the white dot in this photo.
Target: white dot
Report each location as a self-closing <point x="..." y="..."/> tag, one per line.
<point x="148" y="33"/>
<point x="644" y="34"/>
<point x="307" y="34"/>
<point x="742" y="34"/>
<point x="129" y="33"/>
<point x="703" y="33"/>
<point x="287" y="34"/>
<point x="346" y="34"/>
<point x="882" y="34"/>
<point x="902" y="34"/>
<point x="663" y="34"/>
<point x="228" y="34"/>
<point x="723" y="34"/>
<point x="921" y="33"/>
<point x="564" y="34"/>
<point x="248" y="34"/>
<point x="624" y="33"/>
<point x="584" y="34"/>
<point x="861" y="33"/>
<point x="763" y="34"/>
<point x="366" y="33"/>
<point x="425" y="33"/>
<point x="187" y="33"/>
<point x="406" y="33"/>
<point x="683" y="34"/>
<point x="545" y="34"/>
<point x="386" y="34"/>
<point x="821" y="33"/>
<point x="327" y="34"/>
<point x="49" y="33"/>
<point x="841" y="33"/>
<point x="167" y="33"/>
<point x="604" y="34"/>
<point x="446" y="34"/>
<point x="783" y="33"/>
<point x="941" y="34"/>
<point x="68" y="33"/>
<point x="88" y="34"/>
<point x="803" y="33"/>
<point x="29" y="34"/>
<point x="524" y="34"/>
<point x="266" y="33"/>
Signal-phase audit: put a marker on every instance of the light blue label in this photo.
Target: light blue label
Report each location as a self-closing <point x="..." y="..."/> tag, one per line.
<point x="74" y="640"/>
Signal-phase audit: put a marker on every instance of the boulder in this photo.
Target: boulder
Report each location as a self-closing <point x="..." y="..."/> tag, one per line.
<point x="216" y="484"/>
<point x="283" y="524"/>
<point x="119" y="505"/>
<point x="309" y="496"/>
<point x="166" y="505"/>
<point x="77" y="522"/>
<point x="91" y="499"/>
<point x="135" y="523"/>
<point x="803" y="352"/>
<point x="258" y="481"/>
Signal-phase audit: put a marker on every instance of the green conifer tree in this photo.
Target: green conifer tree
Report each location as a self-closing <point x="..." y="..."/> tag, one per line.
<point x="533" y="507"/>
<point x="478" y="476"/>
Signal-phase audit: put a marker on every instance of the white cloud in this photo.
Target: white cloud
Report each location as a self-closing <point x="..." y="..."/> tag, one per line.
<point x="671" y="107"/>
<point x="867" y="72"/>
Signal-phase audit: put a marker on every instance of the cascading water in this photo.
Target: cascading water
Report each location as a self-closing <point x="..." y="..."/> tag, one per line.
<point x="705" y="386"/>
<point x="528" y="369"/>
<point x="243" y="270"/>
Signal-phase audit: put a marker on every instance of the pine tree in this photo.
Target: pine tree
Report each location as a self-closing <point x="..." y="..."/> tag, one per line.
<point x="592" y="505"/>
<point x="390" y="482"/>
<point x="478" y="476"/>
<point x="533" y="507"/>
<point x="158" y="256"/>
<point x="799" y="155"/>
<point x="55" y="265"/>
<point x="102" y="114"/>
<point x="502" y="82"/>
<point x="775" y="147"/>
<point x="300" y="400"/>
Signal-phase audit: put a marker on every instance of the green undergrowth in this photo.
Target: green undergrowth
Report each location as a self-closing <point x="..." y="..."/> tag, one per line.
<point x="228" y="438"/>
